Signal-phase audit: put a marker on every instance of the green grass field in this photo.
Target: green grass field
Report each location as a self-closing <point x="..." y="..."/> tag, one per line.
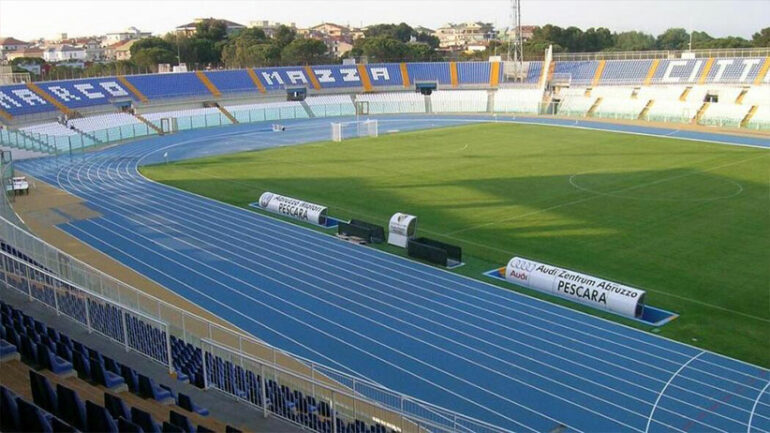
<point x="687" y="221"/>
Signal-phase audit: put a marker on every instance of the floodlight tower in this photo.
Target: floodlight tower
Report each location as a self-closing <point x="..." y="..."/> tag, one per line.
<point x="515" y="43"/>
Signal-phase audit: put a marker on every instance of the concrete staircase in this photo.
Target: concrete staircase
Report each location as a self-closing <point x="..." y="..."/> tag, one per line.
<point x="701" y="112"/>
<point x="148" y="123"/>
<point x="307" y="109"/>
<point x="227" y="114"/>
<point x="594" y="107"/>
<point x="748" y="116"/>
<point x="646" y="109"/>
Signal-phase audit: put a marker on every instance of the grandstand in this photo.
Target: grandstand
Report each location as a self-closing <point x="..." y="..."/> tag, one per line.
<point x="69" y="117"/>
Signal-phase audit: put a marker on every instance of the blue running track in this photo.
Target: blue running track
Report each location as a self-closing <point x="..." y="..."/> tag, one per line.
<point x="492" y="354"/>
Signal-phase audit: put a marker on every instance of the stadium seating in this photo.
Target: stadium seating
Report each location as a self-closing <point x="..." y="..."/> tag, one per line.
<point x="105" y="121"/>
<point x="51" y="128"/>
<point x="474" y="72"/>
<point x="393" y="102"/>
<point x="518" y="101"/>
<point x="166" y="86"/>
<point x="575" y="106"/>
<point x="619" y="108"/>
<point x="624" y="72"/>
<point x="430" y="72"/>
<point x="264" y="111"/>
<point x="724" y="114"/>
<point x="580" y="73"/>
<point x="760" y="118"/>
<point x="757" y="95"/>
<point x="331" y="105"/>
<point x="234" y="81"/>
<point x="461" y="101"/>
<point x="289" y="403"/>
<point x="673" y="111"/>
<point x="619" y="92"/>
<point x="534" y="72"/>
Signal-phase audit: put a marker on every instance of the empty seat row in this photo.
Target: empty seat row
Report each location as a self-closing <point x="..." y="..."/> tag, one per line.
<point x="20" y="415"/>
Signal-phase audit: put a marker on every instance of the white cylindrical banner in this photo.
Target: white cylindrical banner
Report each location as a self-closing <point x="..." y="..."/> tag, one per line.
<point x="575" y="286"/>
<point x="293" y="208"/>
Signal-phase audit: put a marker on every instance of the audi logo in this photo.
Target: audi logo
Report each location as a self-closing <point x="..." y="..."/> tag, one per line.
<point x="523" y="265"/>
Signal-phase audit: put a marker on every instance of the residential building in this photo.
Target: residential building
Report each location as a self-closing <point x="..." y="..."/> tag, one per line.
<point x="526" y="33"/>
<point x="131" y="33"/>
<point x="9" y="45"/>
<point x="119" y="50"/>
<point x="460" y="36"/>
<point x="328" y="30"/>
<point x="190" y="29"/>
<point x="64" y="53"/>
<point x="270" y="27"/>
<point x="33" y="52"/>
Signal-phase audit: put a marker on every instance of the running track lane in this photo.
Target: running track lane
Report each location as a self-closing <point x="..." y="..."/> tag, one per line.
<point x="491" y="354"/>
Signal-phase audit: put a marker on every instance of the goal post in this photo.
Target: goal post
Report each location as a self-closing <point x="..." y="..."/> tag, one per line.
<point x="361" y="128"/>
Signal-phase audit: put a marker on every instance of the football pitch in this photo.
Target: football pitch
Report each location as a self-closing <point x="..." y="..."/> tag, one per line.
<point x="685" y="220"/>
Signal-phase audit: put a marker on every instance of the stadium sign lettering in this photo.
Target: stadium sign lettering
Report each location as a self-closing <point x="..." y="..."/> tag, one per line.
<point x="291" y="207"/>
<point x="576" y="286"/>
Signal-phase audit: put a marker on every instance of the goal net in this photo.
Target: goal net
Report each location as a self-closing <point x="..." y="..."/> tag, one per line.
<point x="347" y="130"/>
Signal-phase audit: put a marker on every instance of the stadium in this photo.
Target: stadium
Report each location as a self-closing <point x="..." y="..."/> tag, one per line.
<point x="564" y="242"/>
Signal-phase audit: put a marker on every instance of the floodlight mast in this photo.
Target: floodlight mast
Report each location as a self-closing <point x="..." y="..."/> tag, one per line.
<point x="515" y="42"/>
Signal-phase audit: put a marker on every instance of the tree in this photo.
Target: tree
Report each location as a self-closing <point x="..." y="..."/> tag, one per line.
<point x="151" y="42"/>
<point x="27" y="61"/>
<point x="250" y="48"/>
<point x="761" y="38"/>
<point x="150" y="57"/>
<point x="598" y="39"/>
<point x="211" y="29"/>
<point x="673" y="39"/>
<point x="634" y="41"/>
<point x="432" y="41"/>
<point x="304" y="52"/>
<point x="284" y="36"/>
<point x="383" y="49"/>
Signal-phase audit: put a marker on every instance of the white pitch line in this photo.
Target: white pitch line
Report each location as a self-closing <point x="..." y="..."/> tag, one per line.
<point x="657" y="400"/>
<point x="754" y="408"/>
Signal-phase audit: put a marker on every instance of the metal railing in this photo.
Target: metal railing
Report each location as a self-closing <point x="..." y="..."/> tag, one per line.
<point x="663" y="54"/>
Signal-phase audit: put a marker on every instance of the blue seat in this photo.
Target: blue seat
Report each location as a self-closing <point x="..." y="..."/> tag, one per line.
<point x="171" y="428"/>
<point x="7" y="349"/>
<point x="49" y="360"/>
<point x="180" y="421"/>
<point x="9" y="421"/>
<point x="148" y="389"/>
<point x="29" y="352"/>
<point x="104" y="377"/>
<point x="31" y="418"/>
<point x="126" y="426"/>
<point x="116" y="407"/>
<point x="144" y="420"/>
<point x="111" y="365"/>
<point x="231" y="429"/>
<point x="63" y="351"/>
<point x="70" y="408"/>
<point x="202" y="429"/>
<point x="61" y="426"/>
<point x="82" y="365"/>
<point x="185" y="402"/>
<point x="98" y="419"/>
<point x="130" y="377"/>
<point x="42" y="393"/>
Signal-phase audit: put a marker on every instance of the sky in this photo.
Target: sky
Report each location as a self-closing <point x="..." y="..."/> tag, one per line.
<point x="28" y="19"/>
